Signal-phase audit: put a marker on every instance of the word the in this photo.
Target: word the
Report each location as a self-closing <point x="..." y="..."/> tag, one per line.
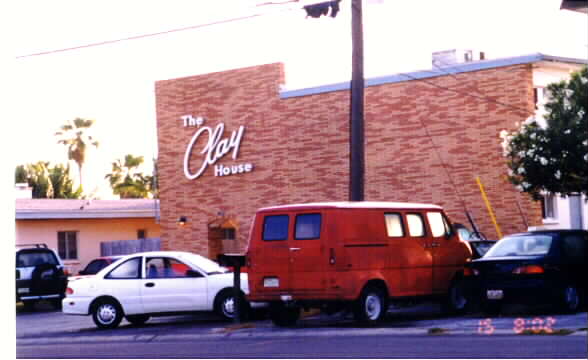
<point x="190" y="120"/>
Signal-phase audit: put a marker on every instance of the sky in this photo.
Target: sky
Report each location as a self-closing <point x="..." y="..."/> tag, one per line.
<point x="114" y="83"/>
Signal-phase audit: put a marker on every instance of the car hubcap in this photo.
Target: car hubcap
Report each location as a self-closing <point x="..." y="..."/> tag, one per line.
<point x="106" y="314"/>
<point x="229" y="307"/>
<point x="373" y="306"/>
<point x="571" y="297"/>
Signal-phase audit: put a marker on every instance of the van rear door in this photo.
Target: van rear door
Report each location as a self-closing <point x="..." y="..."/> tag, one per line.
<point x="271" y="255"/>
<point x="308" y="257"/>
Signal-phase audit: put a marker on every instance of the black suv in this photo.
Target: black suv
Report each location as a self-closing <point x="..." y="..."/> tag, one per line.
<point x="39" y="276"/>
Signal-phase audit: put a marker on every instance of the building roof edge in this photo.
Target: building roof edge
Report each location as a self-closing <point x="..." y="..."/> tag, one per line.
<point x="425" y="74"/>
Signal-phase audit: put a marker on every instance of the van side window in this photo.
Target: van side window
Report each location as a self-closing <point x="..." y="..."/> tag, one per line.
<point x="308" y="226"/>
<point x="394" y="225"/>
<point x="439" y="226"/>
<point x="416" y="225"/>
<point x="275" y="227"/>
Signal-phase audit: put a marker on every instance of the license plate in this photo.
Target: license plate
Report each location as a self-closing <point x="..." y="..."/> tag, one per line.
<point x="494" y="294"/>
<point x="271" y="282"/>
<point x="23" y="290"/>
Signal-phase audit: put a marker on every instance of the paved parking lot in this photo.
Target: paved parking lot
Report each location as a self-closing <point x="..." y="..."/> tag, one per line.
<point x="46" y="324"/>
<point x="415" y="332"/>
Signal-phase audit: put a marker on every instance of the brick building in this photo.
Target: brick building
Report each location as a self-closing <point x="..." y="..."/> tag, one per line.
<point x="234" y="141"/>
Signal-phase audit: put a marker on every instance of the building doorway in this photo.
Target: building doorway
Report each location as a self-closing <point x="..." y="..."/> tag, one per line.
<point x="222" y="237"/>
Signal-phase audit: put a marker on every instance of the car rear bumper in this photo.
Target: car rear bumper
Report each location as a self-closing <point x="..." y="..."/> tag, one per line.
<point x="524" y="290"/>
<point x="76" y="305"/>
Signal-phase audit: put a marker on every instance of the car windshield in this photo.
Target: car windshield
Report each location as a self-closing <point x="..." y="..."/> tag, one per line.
<point x="521" y="246"/>
<point x="205" y="264"/>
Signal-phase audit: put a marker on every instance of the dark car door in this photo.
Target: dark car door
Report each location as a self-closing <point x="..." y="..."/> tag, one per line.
<point x="573" y="247"/>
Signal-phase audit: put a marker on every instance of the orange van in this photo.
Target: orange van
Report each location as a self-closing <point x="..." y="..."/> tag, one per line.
<point x="354" y="256"/>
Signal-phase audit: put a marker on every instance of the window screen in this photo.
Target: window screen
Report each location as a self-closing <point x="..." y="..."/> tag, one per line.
<point x="394" y="225"/>
<point x="416" y="226"/>
<point x="275" y="227"/>
<point x="67" y="245"/>
<point x="308" y="226"/>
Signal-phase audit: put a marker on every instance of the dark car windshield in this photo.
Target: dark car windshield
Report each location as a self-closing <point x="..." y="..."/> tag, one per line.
<point x="521" y="246"/>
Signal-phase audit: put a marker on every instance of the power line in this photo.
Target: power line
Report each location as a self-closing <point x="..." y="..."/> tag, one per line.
<point x="481" y="97"/>
<point x="136" y="37"/>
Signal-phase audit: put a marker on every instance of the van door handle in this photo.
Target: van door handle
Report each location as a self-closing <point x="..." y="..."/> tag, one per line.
<point x="150" y="284"/>
<point x="294" y="249"/>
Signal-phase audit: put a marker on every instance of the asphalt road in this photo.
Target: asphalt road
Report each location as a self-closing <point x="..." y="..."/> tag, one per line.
<point x="419" y="332"/>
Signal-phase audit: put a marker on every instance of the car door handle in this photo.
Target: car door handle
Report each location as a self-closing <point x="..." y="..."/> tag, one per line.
<point x="294" y="249"/>
<point x="150" y="284"/>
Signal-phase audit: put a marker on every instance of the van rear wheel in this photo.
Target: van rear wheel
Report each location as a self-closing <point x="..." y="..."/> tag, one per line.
<point x="371" y="306"/>
<point x="284" y="316"/>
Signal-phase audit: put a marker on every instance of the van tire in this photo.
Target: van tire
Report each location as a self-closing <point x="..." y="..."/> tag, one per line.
<point x="284" y="316"/>
<point x="371" y="307"/>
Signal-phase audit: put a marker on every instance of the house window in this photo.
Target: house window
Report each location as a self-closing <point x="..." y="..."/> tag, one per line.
<point x="141" y="234"/>
<point x="67" y="244"/>
<point x="549" y="206"/>
<point x="229" y="234"/>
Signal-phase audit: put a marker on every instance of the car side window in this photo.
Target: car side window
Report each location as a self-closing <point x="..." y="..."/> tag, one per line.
<point x="416" y="225"/>
<point x="308" y="226"/>
<point x="129" y="269"/>
<point x="394" y="226"/>
<point x="164" y="267"/>
<point x="275" y="227"/>
<point x="575" y="248"/>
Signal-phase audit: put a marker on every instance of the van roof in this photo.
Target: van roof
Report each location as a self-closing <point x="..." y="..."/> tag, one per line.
<point x="353" y="205"/>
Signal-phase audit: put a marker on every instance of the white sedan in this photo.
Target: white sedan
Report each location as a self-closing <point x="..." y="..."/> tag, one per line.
<point x="141" y="285"/>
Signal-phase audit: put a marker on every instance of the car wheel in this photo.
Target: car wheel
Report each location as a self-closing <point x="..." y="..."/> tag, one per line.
<point x="107" y="314"/>
<point x="456" y="301"/>
<point x="371" y="306"/>
<point x="137" y="319"/>
<point x="224" y="305"/>
<point x="284" y="316"/>
<point x="29" y="305"/>
<point x="570" y="301"/>
<point x="57" y="304"/>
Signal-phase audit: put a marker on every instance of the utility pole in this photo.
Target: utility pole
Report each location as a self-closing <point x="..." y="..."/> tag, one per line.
<point x="356" y="123"/>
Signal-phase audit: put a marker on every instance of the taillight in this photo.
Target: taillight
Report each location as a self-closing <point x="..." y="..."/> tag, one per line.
<point x="69" y="291"/>
<point x="529" y="269"/>
<point x="470" y="272"/>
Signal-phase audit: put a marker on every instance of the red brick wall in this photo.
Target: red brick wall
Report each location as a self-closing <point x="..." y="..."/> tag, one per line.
<point x="299" y="147"/>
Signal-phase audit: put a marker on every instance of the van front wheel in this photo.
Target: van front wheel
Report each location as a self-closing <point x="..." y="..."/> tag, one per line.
<point x="371" y="306"/>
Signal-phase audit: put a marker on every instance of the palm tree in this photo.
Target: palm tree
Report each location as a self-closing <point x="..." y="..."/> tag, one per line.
<point x="127" y="181"/>
<point x="74" y="135"/>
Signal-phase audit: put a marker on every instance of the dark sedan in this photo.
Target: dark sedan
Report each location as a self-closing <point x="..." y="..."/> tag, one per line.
<point x="540" y="266"/>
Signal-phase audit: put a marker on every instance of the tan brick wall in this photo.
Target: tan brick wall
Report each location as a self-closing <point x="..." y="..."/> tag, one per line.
<point x="299" y="147"/>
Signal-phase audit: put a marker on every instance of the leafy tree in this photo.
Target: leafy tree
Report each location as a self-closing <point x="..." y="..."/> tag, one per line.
<point x="75" y="136"/>
<point x="47" y="182"/>
<point x="553" y="157"/>
<point x="127" y="181"/>
<point x="63" y="183"/>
